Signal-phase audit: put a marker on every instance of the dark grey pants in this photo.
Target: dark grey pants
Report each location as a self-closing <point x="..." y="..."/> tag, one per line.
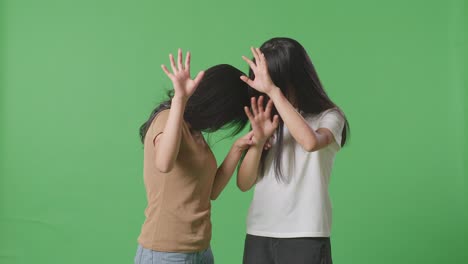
<point x="305" y="250"/>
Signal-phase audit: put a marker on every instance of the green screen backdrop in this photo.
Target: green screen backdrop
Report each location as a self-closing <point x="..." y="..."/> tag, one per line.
<point x="79" y="77"/>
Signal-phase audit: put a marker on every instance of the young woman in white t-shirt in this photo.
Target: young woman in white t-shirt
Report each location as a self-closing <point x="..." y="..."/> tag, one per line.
<point x="289" y="219"/>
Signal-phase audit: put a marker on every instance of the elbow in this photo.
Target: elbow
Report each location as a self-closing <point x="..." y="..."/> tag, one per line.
<point x="164" y="167"/>
<point x="245" y="181"/>
<point x="214" y="193"/>
<point x="214" y="196"/>
<point x="310" y="146"/>
<point x="242" y="187"/>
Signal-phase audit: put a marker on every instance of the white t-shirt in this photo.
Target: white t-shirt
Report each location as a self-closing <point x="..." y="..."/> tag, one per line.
<point x="301" y="206"/>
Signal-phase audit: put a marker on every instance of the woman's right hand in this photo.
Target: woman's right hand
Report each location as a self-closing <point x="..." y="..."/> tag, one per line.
<point x="184" y="87"/>
<point x="263" y="125"/>
<point x="262" y="81"/>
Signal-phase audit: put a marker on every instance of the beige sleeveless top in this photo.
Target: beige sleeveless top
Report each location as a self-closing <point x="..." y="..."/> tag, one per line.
<point x="179" y="204"/>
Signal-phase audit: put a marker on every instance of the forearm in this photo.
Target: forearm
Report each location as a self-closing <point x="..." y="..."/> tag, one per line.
<point x="225" y="171"/>
<point x="248" y="170"/>
<point x="169" y="142"/>
<point x="296" y="124"/>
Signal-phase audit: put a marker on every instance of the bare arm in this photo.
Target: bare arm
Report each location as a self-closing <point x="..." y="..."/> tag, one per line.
<point x="227" y="168"/>
<point x="248" y="170"/>
<point x="168" y="143"/>
<point x="309" y="139"/>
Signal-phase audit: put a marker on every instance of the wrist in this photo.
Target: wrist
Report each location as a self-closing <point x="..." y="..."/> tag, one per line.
<point x="274" y="92"/>
<point x="260" y="142"/>
<point x="237" y="149"/>
<point x="179" y="99"/>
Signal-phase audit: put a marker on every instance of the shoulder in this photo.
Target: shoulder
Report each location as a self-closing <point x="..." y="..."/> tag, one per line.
<point x="161" y="117"/>
<point x="332" y="115"/>
<point x="158" y="123"/>
<point x="333" y="119"/>
<point x="160" y="120"/>
<point x="334" y="112"/>
<point x="162" y="114"/>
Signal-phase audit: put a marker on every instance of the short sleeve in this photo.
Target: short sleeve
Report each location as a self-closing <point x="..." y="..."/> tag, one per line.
<point x="333" y="120"/>
<point x="159" y="123"/>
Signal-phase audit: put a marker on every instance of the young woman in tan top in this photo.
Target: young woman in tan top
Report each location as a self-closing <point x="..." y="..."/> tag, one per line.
<point x="180" y="171"/>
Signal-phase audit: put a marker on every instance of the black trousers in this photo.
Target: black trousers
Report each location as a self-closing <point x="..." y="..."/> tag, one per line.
<point x="304" y="250"/>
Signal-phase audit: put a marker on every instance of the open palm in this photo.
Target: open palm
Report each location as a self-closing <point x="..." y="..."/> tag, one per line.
<point x="262" y="81"/>
<point x="263" y="125"/>
<point x="184" y="86"/>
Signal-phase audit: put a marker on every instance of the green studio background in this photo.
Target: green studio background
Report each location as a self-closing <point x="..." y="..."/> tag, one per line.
<point x="79" y="77"/>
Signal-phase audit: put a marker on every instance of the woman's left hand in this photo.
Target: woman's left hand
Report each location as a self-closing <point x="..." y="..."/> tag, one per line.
<point x="248" y="140"/>
<point x="262" y="81"/>
<point x="244" y="142"/>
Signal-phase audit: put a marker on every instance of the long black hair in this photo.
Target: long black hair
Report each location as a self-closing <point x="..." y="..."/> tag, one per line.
<point x="218" y="102"/>
<point x="291" y="69"/>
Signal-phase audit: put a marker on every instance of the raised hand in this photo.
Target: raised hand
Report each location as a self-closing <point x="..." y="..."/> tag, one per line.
<point x="262" y="81"/>
<point x="263" y="126"/>
<point x="184" y="86"/>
